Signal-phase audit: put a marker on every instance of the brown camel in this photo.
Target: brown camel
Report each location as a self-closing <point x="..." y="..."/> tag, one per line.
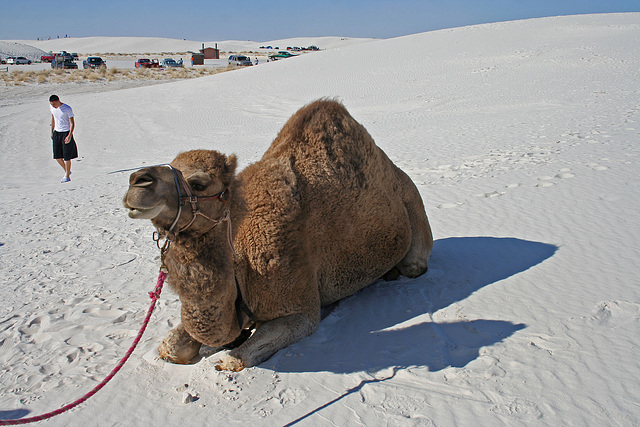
<point x="323" y="214"/>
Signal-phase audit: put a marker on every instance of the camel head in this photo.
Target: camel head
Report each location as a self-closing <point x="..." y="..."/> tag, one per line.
<point x="162" y="193"/>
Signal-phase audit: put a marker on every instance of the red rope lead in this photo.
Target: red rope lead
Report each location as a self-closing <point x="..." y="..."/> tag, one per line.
<point x="155" y="295"/>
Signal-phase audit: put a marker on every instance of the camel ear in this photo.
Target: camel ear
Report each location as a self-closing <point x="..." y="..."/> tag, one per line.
<point x="230" y="164"/>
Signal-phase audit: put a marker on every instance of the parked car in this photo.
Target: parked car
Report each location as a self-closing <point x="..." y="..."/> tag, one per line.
<point x="64" y="62"/>
<point x="280" y="55"/>
<point x="11" y="60"/>
<point x="147" y="63"/>
<point x="94" y="62"/>
<point x="47" y="58"/>
<point x="170" y="63"/>
<point x="239" y="60"/>
<point x="21" y="60"/>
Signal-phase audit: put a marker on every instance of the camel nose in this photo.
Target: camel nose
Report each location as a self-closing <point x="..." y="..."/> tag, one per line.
<point x="142" y="178"/>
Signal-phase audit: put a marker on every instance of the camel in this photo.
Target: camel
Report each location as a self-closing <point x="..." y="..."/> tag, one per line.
<point x="322" y="215"/>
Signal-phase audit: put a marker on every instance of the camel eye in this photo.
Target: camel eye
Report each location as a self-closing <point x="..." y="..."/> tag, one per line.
<point x="198" y="187"/>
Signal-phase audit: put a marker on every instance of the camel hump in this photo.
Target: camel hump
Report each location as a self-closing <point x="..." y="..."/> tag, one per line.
<point x="323" y="128"/>
<point x="327" y="146"/>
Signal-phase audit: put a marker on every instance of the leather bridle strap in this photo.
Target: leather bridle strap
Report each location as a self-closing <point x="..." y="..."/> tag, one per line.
<point x="177" y="180"/>
<point x="181" y="183"/>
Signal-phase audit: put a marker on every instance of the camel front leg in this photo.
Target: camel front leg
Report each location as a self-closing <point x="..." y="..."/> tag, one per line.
<point x="178" y="346"/>
<point x="268" y="338"/>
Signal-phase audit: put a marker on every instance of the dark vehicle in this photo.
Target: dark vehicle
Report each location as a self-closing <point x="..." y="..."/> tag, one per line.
<point x="280" y="55"/>
<point x="64" y="62"/>
<point x="239" y="60"/>
<point x="170" y="63"/>
<point x="94" y="62"/>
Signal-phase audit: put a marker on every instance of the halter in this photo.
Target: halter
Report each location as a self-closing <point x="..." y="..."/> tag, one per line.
<point x="181" y="182"/>
<point x="182" y="199"/>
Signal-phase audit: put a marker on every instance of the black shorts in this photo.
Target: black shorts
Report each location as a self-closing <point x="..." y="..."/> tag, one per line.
<point x="60" y="149"/>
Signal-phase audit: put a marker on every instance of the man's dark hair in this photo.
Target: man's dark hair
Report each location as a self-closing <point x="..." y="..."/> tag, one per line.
<point x="53" y="98"/>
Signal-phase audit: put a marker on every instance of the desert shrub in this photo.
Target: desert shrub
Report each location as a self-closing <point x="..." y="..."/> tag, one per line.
<point x="94" y="76"/>
<point x="19" y="77"/>
<point x="142" y="72"/>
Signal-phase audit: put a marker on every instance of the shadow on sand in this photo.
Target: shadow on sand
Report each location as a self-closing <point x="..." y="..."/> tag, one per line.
<point x="367" y="331"/>
<point x="13" y="414"/>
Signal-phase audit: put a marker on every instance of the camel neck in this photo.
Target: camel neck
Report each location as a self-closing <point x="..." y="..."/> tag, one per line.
<point x="201" y="263"/>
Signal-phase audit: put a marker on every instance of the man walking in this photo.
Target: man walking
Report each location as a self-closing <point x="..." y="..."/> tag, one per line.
<point x="62" y="126"/>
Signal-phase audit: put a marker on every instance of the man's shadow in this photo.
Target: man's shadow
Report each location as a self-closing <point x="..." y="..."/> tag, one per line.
<point x="390" y="324"/>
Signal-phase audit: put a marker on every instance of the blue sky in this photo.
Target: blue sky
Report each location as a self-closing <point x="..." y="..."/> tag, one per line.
<point x="213" y="20"/>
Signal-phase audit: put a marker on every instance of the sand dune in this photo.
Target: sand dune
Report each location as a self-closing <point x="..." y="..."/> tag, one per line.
<point x="142" y="45"/>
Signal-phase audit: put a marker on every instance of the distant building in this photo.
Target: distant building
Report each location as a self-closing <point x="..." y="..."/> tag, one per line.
<point x="197" y="59"/>
<point x="210" y="52"/>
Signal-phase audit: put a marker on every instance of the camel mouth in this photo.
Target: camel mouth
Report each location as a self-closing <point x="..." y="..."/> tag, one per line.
<point x="144" y="213"/>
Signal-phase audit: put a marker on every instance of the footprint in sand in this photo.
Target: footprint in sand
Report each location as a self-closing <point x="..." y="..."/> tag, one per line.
<point x="616" y="313"/>
<point x="549" y="343"/>
<point x="546" y="182"/>
<point x="492" y="194"/>
<point x="518" y="408"/>
<point x="35" y="325"/>
<point x="597" y="167"/>
<point x="565" y="174"/>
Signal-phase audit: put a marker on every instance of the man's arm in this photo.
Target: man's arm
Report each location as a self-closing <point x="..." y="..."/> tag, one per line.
<point x="53" y="125"/>
<point x="72" y="120"/>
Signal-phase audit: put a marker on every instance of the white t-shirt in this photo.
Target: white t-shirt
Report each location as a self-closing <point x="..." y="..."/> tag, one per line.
<point x="61" y="116"/>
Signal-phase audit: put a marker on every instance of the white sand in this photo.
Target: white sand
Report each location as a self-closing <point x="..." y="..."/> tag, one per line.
<point x="523" y="139"/>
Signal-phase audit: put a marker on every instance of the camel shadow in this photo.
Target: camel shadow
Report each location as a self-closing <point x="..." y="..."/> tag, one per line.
<point x="390" y="324"/>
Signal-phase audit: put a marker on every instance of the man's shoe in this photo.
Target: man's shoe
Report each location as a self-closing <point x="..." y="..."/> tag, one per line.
<point x="65" y="179"/>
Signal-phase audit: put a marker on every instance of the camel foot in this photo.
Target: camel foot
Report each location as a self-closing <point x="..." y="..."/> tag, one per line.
<point x="414" y="269"/>
<point x="179" y="347"/>
<point x="230" y="363"/>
